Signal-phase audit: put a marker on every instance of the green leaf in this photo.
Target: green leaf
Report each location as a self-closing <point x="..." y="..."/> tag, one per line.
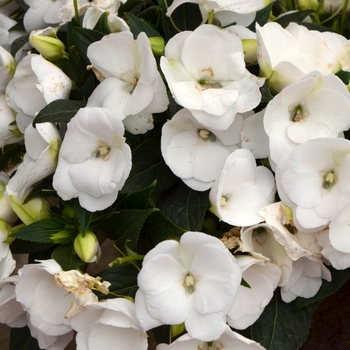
<point x="280" y="326"/>
<point x="184" y="206"/>
<point x="123" y="279"/>
<point x="102" y="24"/>
<point x="126" y="225"/>
<point x="339" y="277"/>
<point x="186" y="17"/>
<point x="138" y="200"/>
<point x="148" y="166"/>
<point x="266" y="95"/>
<point x="21" y="339"/>
<point x="138" y="25"/>
<point x="18" y="44"/>
<point x="160" y="228"/>
<point x="66" y="257"/>
<point x="39" y="231"/>
<point x="59" y="111"/>
<point x="83" y="216"/>
<point x="261" y="17"/>
<point x="297" y="17"/>
<point x="84" y="37"/>
<point x="344" y="76"/>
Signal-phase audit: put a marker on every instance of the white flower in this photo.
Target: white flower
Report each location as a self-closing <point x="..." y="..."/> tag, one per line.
<point x="38" y="293"/>
<point x="250" y="301"/>
<point x="131" y="86"/>
<point x="7" y="263"/>
<point x="193" y="152"/>
<point x="226" y="12"/>
<point x="314" y="181"/>
<point x="94" y="160"/>
<point x="242" y="190"/>
<point x="36" y="83"/>
<point x="7" y="68"/>
<point x="192" y="281"/>
<point x="206" y="74"/>
<point x="40" y="160"/>
<point x="11" y="311"/>
<point x="6" y="23"/>
<point x="287" y="55"/>
<point x="109" y="325"/>
<point x="315" y="106"/>
<point x="6" y="212"/>
<point x="228" y="340"/>
<point x="115" y="23"/>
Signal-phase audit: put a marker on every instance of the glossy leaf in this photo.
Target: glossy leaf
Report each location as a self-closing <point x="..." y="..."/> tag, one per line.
<point x="66" y="257"/>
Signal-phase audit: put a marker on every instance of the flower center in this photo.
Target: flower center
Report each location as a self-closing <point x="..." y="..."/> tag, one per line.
<point x="103" y="151"/>
<point x="206" y="84"/>
<point x="329" y="180"/>
<point x="189" y="283"/>
<point x="207" y="135"/>
<point x="223" y="200"/>
<point x="298" y="115"/>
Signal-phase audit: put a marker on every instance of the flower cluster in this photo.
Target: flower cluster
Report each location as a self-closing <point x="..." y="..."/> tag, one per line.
<point x="210" y="148"/>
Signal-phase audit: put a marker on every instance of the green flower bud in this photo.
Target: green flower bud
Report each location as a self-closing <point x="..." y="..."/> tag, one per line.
<point x="61" y="237"/>
<point x="31" y="211"/>
<point x="68" y="212"/>
<point x="308" y="4"/>
<point x="46" y="42"/>
<point x="87" y="247"/>
<point x="157" y="45"/>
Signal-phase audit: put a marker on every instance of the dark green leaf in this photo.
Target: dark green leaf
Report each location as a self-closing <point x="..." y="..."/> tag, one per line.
<point x="70" y="37"/>
<point x="344" y="76"/>
<point x="266" y="95"/>
<point x="59" y="111"/>
<point x="18" y="246"/>
<point x="138" y="200"/>
<point x="66" y="257"/>
<point x="280" y="326"/>
<point x="148" y="166"/>
<point x="261" y="17"/>
<point x="102" y="24"/>
<point x="297" y="17"/>
<point x="160" y="228"/>
<point x="123" y="279"/>
<point x="126" y="225"/>
<point x="18" y="44"/>
<point x="39" y="231"/>
<point x="138" y="25"/>
<point x="244" y="283"/>
<point x="312" y="26"/>
<point x="11" y="154"/>
<point x="21" y="339"/>
<point x="128" y="6"/>
<point x="84" y="37"/>
<point x="184" y="206"/>
<point x="186" y="17"/>
<point x="83" y="216"/>
<point x="339" y="277"/>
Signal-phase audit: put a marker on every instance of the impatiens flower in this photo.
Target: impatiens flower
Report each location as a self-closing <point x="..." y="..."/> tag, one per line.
<point x="206" y="74"/>
<point x="109" y="325"/>
<point x="287" y="55"/>
<point x="314" y="181"/>
<point x="193" y="152"/>
<point x="36" y="83"/>
<point x="315" y="106"/>
<point x="229" y="340"/>
<point x="242" y="190"/>
<point x="131" y="86"/>
<point x="226" y="12"/>
<point x="11" y="311"/>
<point x="192" y="281"/>
<point x="94" y="160"/>
<point x="37" y="291"/>
<point x="7" y="68"/>
<point x="261" y="279"/>
<point x="7" y="263"/>
<point x="81" y="286"/>
<point x="42" y="146"/>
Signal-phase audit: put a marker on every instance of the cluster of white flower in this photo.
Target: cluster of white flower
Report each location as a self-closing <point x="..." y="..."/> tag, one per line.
<point x="215" y="143"/>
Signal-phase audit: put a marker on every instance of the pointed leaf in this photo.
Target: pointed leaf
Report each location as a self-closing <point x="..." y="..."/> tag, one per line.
<point x="184" y="206"/>
<point x="297" y="16"/>
<point x="66" y="257"/>
<point x="138" y="25"/>
<point x="83" y="216"/>
<point x="39" y="231"/>
<point x="84" y="37"/>
<point x="18" y="44"/>
<point x="261" y="17"/>
<point x="59" y="111"/>
<point x="102" y="24"/>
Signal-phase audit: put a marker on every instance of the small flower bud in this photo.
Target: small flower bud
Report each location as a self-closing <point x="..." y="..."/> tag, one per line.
<point x="46" y="43"/>
<point x="157" y="45"/>
<point x="61" y="237"/>
<point x="308" y="4"/>
<point x="87" y="247"/>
